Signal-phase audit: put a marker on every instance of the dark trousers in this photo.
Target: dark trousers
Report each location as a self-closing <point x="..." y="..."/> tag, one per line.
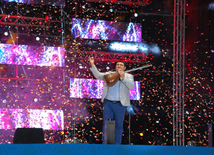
<point x="114" y="111"/>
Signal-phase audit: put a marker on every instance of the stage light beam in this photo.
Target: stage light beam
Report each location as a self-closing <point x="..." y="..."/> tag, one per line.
<point x="211" y="6"/>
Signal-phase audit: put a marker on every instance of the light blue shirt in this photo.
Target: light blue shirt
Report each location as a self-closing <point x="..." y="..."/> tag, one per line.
<point x="114" y="92"/>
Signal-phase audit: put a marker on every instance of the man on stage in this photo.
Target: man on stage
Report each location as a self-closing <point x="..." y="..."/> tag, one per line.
<point x="116" y="98"/>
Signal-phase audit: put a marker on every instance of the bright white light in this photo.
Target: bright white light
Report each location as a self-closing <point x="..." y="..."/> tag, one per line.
<point x="125" y="47"/>
<point x="83" y="6"/>
<point x="128" y="47"/>
<point x="107" y="67"/>
<point x="6" y="33"/>
<point x="37" y="38"/>
<point x="80" y="66"/>
<point x="35" y="99"/>
<point x="135" y="14"/>
<point x="143" y="48"/>
<point x="4" y="101"/>
<point x="135" y="47"/>
<point x="111" y="10"/>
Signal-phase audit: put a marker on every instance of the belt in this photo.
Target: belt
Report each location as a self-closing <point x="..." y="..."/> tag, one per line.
<point x="113" y="101"/>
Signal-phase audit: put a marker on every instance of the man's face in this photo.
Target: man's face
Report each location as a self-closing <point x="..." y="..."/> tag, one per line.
<point x="120" y="66"/>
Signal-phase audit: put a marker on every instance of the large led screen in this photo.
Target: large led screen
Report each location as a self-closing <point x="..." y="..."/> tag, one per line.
<point x="32" y="55"/>
<point x="93" y="88"/>
<point x="31" y="118"/>
<point x="106" y="30"/>
<point x="45" y="2"/>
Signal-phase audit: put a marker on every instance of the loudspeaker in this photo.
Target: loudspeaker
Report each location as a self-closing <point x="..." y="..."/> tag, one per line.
<point x="28" y="136"/>
<point x="210" y="136"/>
<point x="109" y="137"/>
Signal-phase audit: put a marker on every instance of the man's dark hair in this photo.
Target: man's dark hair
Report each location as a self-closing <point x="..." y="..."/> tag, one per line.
<point x="122" y="62"/>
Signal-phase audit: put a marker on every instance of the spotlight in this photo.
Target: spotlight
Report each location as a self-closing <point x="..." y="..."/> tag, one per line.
<point x="130" y="110"/>
<point x="135" y="14"/>
<point x="211" y="6"/>
<point x="35" y="99"/>
<point x="6" y="33"/>
<point x="83" y="6"/>
<point x="37" y="38"/>
<point x="111" y="10"/>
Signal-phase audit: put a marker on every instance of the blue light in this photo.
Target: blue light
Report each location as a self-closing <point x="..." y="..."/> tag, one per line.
<point x="130" y="110"/>
<point x="211" y="6"/>
<point x="155" y="49"/>
<point x="134" y="47"/>
<point x="143" y="48"/>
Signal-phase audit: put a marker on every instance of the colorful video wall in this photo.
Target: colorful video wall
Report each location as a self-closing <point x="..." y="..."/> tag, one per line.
<point x="32" y="55"/>
<point x="106" y="30"/>
<point x="45" y="2"/>
<point x="31" y="118"/>
<point x="93" y="89"/>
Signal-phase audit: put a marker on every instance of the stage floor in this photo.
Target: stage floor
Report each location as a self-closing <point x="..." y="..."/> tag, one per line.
<point x="100" y="149"/>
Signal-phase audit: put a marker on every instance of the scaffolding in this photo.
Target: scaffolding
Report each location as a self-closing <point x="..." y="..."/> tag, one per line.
<point x="178" y="72"/>
<point x="125" y="2"/>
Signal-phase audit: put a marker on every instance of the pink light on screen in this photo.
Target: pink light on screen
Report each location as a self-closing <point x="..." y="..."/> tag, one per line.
<point x="106" y="30"/>
<point x="46" y="119"/>
<point x="93" y="88"/>
<point x="31" y="118"/>
<point x="32" y="55"/>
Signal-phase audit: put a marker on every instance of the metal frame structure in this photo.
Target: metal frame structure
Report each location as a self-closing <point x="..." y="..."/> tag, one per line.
<point x="178" y="72"/>
<point x="22" y="21"/>
<point x="125" y="2"/>
<point x="105" y="56"/>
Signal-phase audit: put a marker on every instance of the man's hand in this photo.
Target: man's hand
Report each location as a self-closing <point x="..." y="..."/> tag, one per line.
<point x="91" y="61"/>
<point x="122" y="74"/>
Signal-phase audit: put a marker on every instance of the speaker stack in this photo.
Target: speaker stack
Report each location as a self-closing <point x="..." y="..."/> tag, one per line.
<point x="210" y="136"/>
<point x="109" y="135"/>
<point x="28" y="136"/>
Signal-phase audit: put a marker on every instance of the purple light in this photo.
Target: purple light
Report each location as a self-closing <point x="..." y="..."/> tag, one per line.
<point x="106" y="30"/>
<point x="93" y="88"/>
<point x="46" y="119"/>
<point x="32" y="55"/>
<point x="31" y="118"/>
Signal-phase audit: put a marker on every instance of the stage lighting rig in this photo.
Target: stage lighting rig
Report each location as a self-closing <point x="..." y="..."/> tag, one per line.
<point x="124" y="2"/>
